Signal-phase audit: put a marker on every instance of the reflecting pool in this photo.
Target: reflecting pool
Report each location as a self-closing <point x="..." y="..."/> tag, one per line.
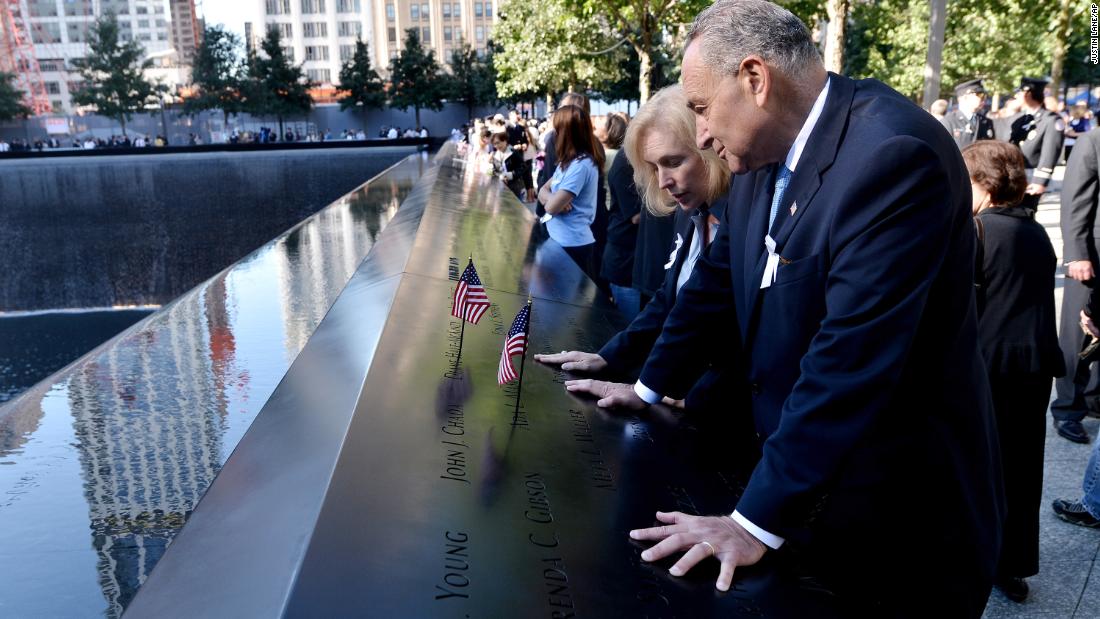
<point x="33" y="346"/>
<point x="101" y="465"/>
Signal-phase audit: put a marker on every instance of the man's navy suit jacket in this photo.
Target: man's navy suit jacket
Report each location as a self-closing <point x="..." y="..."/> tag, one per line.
<point x="862" y="358"/>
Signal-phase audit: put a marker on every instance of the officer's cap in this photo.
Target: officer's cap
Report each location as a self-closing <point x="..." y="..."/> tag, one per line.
<point x="1033" y="84"/>
<point x="966" y="88"/>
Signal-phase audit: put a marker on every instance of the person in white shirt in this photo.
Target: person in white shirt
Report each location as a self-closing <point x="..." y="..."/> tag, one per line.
<point x="392" y="134"/>
<point x="508" y="166"/>
<point x="480" y="155"/>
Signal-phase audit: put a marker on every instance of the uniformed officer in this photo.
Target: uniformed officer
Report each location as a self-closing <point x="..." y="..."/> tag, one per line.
<point x="1039" y="133"/>
<point x="969" y="123"/>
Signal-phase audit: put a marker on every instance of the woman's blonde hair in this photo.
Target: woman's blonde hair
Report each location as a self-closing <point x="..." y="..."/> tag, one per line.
<point x="667" y="111"/>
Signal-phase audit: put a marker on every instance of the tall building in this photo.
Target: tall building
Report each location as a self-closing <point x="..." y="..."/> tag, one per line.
<point x="318" y="34"/>
<point x="186" y="30"/>
<point x="443" y="26"/>
<point x="7" y="58"/>
<point x="17" y="57"/>
<point x="58" y="30"/>
<point x="321" y="34"/>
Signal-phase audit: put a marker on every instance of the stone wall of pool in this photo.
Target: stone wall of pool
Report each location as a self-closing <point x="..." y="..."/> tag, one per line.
<point x="135" y="230"/>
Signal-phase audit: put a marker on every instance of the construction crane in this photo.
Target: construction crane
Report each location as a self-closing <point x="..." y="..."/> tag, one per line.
<point x="17" y="56"/>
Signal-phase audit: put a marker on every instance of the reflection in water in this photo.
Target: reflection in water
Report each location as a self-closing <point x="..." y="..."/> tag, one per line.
<point x="138" y="432"/>
<point x="146" y="455"/>
<point x="33" y="346"/>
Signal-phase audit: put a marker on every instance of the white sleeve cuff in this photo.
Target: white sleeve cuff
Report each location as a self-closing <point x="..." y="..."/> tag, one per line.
<point x="768" y="539"/>
<point x="650" y="396"/>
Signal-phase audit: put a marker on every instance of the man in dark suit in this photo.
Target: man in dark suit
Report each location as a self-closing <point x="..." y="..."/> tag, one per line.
<point x="1080" y="252"/>
<point x="847" y="266"/>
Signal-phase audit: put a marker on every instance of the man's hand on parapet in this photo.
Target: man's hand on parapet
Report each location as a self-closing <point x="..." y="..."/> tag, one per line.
<point x="701" y="537"/>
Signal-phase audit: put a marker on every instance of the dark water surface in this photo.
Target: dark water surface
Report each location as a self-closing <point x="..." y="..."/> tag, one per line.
<point x="33" y="346"/>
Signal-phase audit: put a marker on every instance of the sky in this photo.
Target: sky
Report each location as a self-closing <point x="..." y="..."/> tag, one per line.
<point x="231" y="13"/>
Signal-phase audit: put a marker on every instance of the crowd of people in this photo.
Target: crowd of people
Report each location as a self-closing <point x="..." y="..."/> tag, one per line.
<point x="263" y="135"/>
<point x="865" y="307"/>
<point x="392" y="133"/>
<point x="24" y="145"/>
<point x="267" y="135"/>
<point x="87" y="143"/>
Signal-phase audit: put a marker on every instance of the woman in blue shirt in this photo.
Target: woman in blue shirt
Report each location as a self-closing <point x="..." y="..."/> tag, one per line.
<point x="570" y="194"/>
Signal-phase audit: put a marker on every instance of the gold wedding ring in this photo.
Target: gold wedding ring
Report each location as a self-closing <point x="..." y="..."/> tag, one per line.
<point x="710" y="547"/>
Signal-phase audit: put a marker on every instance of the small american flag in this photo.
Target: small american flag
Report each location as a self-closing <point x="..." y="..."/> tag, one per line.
<point x="470" y="301"/>
<point x="515" y="344"/>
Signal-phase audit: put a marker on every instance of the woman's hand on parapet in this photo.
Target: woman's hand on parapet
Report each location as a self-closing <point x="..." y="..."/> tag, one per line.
<point x="574" y="361"/>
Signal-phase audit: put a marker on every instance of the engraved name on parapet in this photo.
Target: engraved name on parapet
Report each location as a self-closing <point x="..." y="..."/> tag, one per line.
<point x="456" y="565"/>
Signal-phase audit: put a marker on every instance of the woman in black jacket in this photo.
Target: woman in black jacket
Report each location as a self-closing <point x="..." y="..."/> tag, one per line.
<point x="624" y="212"/>
<point x="673" y="179"/>
<point x="1017" y="334"/>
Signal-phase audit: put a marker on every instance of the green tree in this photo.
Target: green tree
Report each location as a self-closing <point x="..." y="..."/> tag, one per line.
<point x="1069" y="18"/>
<point x="665" y="71"/>
<point x="488" y="72"/>
<point x="888" y="40"/>
<point x="809" y="11"/>
<point x="837" y="11"/>
<point x="1078" y="66"/>
<point x="640" y="23"/>
<point x="546" y="47"/>
<point x="1000" y="40"/>
<point x="416" y="80"/>
<point x="11" y="99"/>
<point x="276" y="87"/>
<point x="626" y="87"/>
<point x="365" y="88"/>
<point x="473" y="80"/>
<point x="218" y="74"/>
<point x="114" y="83"/>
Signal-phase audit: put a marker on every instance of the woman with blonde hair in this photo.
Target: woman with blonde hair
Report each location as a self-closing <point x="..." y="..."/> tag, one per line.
<point x="672" y="177"/>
